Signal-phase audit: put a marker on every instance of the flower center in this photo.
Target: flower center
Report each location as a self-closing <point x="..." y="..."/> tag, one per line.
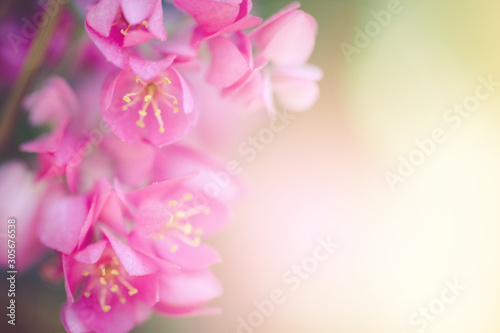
<point x="121" y="19"/>
<point x="149" y="93"/>
<point x="178" y="225"/>
<point x="108" y="277"/>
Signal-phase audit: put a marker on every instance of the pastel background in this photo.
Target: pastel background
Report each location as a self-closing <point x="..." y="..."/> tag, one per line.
<point x="324" y="176"/>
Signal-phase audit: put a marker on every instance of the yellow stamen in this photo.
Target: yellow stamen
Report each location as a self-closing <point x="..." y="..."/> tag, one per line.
<point x="138" y="79"/>
<point x="158" y="116"/>
<point x="125" y="32"/>
<point x="131" y="290"/>
<point x="187" y="228"/>
<point x="102" y="301"/>
<point x="142" y="114"/>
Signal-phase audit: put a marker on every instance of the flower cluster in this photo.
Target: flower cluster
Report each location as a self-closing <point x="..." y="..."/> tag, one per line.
<point x="124" y="206"/>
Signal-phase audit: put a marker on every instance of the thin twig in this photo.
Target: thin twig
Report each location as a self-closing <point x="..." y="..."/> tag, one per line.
<point x="32" y="63"/>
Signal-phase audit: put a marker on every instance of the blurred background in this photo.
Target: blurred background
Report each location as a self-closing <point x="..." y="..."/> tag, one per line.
<point x="418" y="253"/>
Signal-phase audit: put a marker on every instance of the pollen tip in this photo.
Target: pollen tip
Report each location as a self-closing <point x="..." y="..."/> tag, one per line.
<point x="85" y="273"/>
<point x="86" y="294"/>
<point x="147" y="98"/>
<point x="176" y="110"/>
<point x="167" y="81"/>
<point x="114" y="289"/>
<point x="188" y="228"/>
<point x="174" y="248"/>
<point x="106" y="308"/>
<point x="126" y="99"/>
<point x="132" y="292"/>
<point x="140" y="123"/>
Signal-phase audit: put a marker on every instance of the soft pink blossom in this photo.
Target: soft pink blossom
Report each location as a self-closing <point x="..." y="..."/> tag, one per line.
<point x="216" y="18"/>
<point x="119" y="286"/>
<point x="22" y="198"/>
<point x="279" y="72"/>
<point x="159" y="110"/>
<point x="171" y="218"/>
<point x="116" y="26"/>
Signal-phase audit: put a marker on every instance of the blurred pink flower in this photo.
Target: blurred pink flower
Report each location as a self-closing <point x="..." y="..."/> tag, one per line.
<point x="22" y="198"/>
<point x="75" y="214"/>
<point x="188" y="293"/>
<point x="216" y="18"/>
<point x="171" y="218"/>
<point x="61" y="149"/>
<point x="279" y="72"/>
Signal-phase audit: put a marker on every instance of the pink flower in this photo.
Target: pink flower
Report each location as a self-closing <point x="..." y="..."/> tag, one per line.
<point x="171" y="218"/>
<point x="188" y="293"/>
<point x="288" y="37"/>
<point x="120" y="285"/>
<point x="279" y="72"/>
<point x="215" y="18"/>
<point x="21" y="200"/>
<point x="231" y="60"/>
<point x="118" y="25"/>
<point x="160" y="110"/>
<point x="287" y="40"/>
<point x="60" y="151"/>
<point x="75" y="214"/>
<point x="213" y="179"/>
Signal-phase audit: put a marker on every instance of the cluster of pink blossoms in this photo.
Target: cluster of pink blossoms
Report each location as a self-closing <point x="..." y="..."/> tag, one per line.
<point x="124" y="205"/>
